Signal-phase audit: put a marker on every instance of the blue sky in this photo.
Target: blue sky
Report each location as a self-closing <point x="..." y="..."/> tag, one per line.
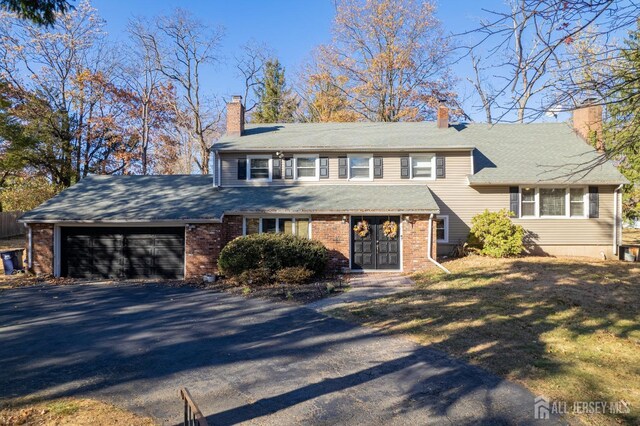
<point x="291" y="27"/>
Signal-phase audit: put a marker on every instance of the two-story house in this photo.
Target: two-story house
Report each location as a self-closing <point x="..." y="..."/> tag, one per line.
<point x="380" y="196"/>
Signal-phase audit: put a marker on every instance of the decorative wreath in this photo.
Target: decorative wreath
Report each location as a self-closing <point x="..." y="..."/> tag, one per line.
<point x="362" y="228"/>
<point x="390" y="229"/>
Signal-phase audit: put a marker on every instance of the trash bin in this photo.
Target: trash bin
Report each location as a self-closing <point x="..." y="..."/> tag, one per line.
<point x="12" y="261"/>
<point x="7" y="262"/>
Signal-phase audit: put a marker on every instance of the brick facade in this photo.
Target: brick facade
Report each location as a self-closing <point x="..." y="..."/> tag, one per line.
<point x="415" y="234"/>
<point x="203" y="242"/>
<point x="335" y="235"/>
<point x="42" y="248"/>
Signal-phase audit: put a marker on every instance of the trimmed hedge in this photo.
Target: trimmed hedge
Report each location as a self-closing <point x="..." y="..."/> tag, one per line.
<point x="274" y="252"/>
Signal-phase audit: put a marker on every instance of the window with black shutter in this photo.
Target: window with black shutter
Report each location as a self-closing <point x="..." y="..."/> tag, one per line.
<point x="594" y="202"/>
<point x="514" y="200"/>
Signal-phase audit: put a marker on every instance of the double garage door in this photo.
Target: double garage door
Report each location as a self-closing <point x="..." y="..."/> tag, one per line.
<point x="89" y="252"/>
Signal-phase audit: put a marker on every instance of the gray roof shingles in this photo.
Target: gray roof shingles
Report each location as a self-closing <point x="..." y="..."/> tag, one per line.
<point x="193" y="197"/>
<point x="503" y="153"/>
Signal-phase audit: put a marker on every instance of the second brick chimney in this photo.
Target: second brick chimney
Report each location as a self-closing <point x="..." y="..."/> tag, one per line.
<point x="235" y="116"/>
<point x="443" y="116"/>
<point x="587" y="121"/>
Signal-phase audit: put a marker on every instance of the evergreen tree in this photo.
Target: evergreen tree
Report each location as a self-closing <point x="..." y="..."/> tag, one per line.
<point x="275" y="101"/>
<point x="623" y="123"/>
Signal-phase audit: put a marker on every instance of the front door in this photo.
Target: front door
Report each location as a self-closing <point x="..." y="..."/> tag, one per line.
<point x="370" y="247"/>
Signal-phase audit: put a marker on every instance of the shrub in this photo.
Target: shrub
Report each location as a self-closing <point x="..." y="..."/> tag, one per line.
<point x="293" y="275"/>
<point x="255" y="277"/>
<point x="273" y="252"/>
<point x="495" y="235"/>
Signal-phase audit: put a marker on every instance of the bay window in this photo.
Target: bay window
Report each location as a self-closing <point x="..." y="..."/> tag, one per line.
<point x="553" y="202"/>
<point x="287" y="225"/>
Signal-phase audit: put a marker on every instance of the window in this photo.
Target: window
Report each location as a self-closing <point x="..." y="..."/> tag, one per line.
<point x="259" y="168"/>
<point x="528" y="202"/>
<point x="360" y="167"/>
<point x="576" y="202"/>
<point x="442" y="229"/>
<point x="307" y="168"/>
<point x="423" y="166"/>
<point x="287" y="225"/>
<point x="553" y="202"/>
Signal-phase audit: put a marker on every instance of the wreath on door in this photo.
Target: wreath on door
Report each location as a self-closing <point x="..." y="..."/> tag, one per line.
<point x="362" y="228"/>
<point x="390" y="229"/>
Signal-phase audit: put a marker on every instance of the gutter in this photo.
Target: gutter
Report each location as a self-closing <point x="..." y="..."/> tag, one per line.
<point x="615" y="219"/>
<point x="430" y="245"/>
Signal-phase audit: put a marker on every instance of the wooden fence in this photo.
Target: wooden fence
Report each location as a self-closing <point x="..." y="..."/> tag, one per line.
<point x="9" y="226"/>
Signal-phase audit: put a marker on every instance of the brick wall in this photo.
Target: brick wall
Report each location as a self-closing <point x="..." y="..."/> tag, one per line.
<point x="232" y="228"/>
<point x="203" y="242"/>
<point x="414" y="243"/>
<point x="42" y="248"/>
<point x="330" y="231"/>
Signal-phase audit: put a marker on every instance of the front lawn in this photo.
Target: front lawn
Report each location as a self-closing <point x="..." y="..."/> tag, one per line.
<point x="568" y="329"/>
<point x="70" y="411"/>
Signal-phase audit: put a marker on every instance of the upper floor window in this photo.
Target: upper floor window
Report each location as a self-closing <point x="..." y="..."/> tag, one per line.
<point x="259" y="167"/>
<point x="307" y="167"/>
<point x="553" y="202"/>
<point x="361" y="167"/>
<point x="423" y="166"/>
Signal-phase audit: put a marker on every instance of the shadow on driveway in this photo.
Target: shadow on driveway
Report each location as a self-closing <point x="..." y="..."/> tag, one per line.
<point x="243" y="360"/>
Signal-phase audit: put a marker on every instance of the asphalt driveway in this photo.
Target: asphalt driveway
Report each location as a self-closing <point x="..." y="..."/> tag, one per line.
<point x="243" y="360"/>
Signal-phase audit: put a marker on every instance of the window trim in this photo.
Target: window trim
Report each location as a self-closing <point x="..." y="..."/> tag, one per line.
<point x="433" y="165"/>
<point x="259" y="157"/>
<point x="277" y="219"/>
<point x="445" y="218"/>
<point x="362" y="179"/>
<point x="316" y="158"/>
<point x="567" y="200"/>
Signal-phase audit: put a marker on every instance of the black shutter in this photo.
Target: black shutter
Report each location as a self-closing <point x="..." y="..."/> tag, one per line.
<point x="440" y="169"/>
<point x="514" y="200"/>
<point x="288" y="168"/>
<point x="343" y="168"/>
<point x="324" y="168"/>
<point x="277" y="168"/>
<point x="594" y="202"/>
<point x="242" y="169"/>
<point x="404" y="167"/>
<point x="377" y="167"/>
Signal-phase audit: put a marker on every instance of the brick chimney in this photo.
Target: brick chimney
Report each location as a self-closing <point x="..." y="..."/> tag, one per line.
<point x="235" y="116"/>
<point x="587" y="122"/>
<point x="443" y="116"/>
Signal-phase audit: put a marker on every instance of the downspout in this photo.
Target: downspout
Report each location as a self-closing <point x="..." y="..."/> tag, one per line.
<point x="430" y="245"/>
<point x="615" y="218"/>
<point x="29" y="247"/>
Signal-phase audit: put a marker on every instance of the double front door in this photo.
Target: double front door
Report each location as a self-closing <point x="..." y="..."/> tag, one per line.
<point x="371" y="248"/>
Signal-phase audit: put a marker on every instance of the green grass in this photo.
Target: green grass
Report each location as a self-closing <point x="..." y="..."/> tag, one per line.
<point x="568" y="329"/>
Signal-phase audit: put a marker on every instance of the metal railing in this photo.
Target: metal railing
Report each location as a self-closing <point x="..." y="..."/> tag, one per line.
<point x="192" y="414"/>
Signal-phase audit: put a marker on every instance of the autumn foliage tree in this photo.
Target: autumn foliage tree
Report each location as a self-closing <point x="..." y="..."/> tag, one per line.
<point x="387" y="62"/>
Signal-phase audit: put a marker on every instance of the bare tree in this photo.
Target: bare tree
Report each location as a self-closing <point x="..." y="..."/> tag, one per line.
<point x="529" y="45"/>
<point x="482" y="88"/>
<point x="143" y="80"/>
<point x="183" y="46"/>
<point x="250" y="67"/>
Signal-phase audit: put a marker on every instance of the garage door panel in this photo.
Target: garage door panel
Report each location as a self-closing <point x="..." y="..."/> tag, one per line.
<point x="123" y="252"/>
